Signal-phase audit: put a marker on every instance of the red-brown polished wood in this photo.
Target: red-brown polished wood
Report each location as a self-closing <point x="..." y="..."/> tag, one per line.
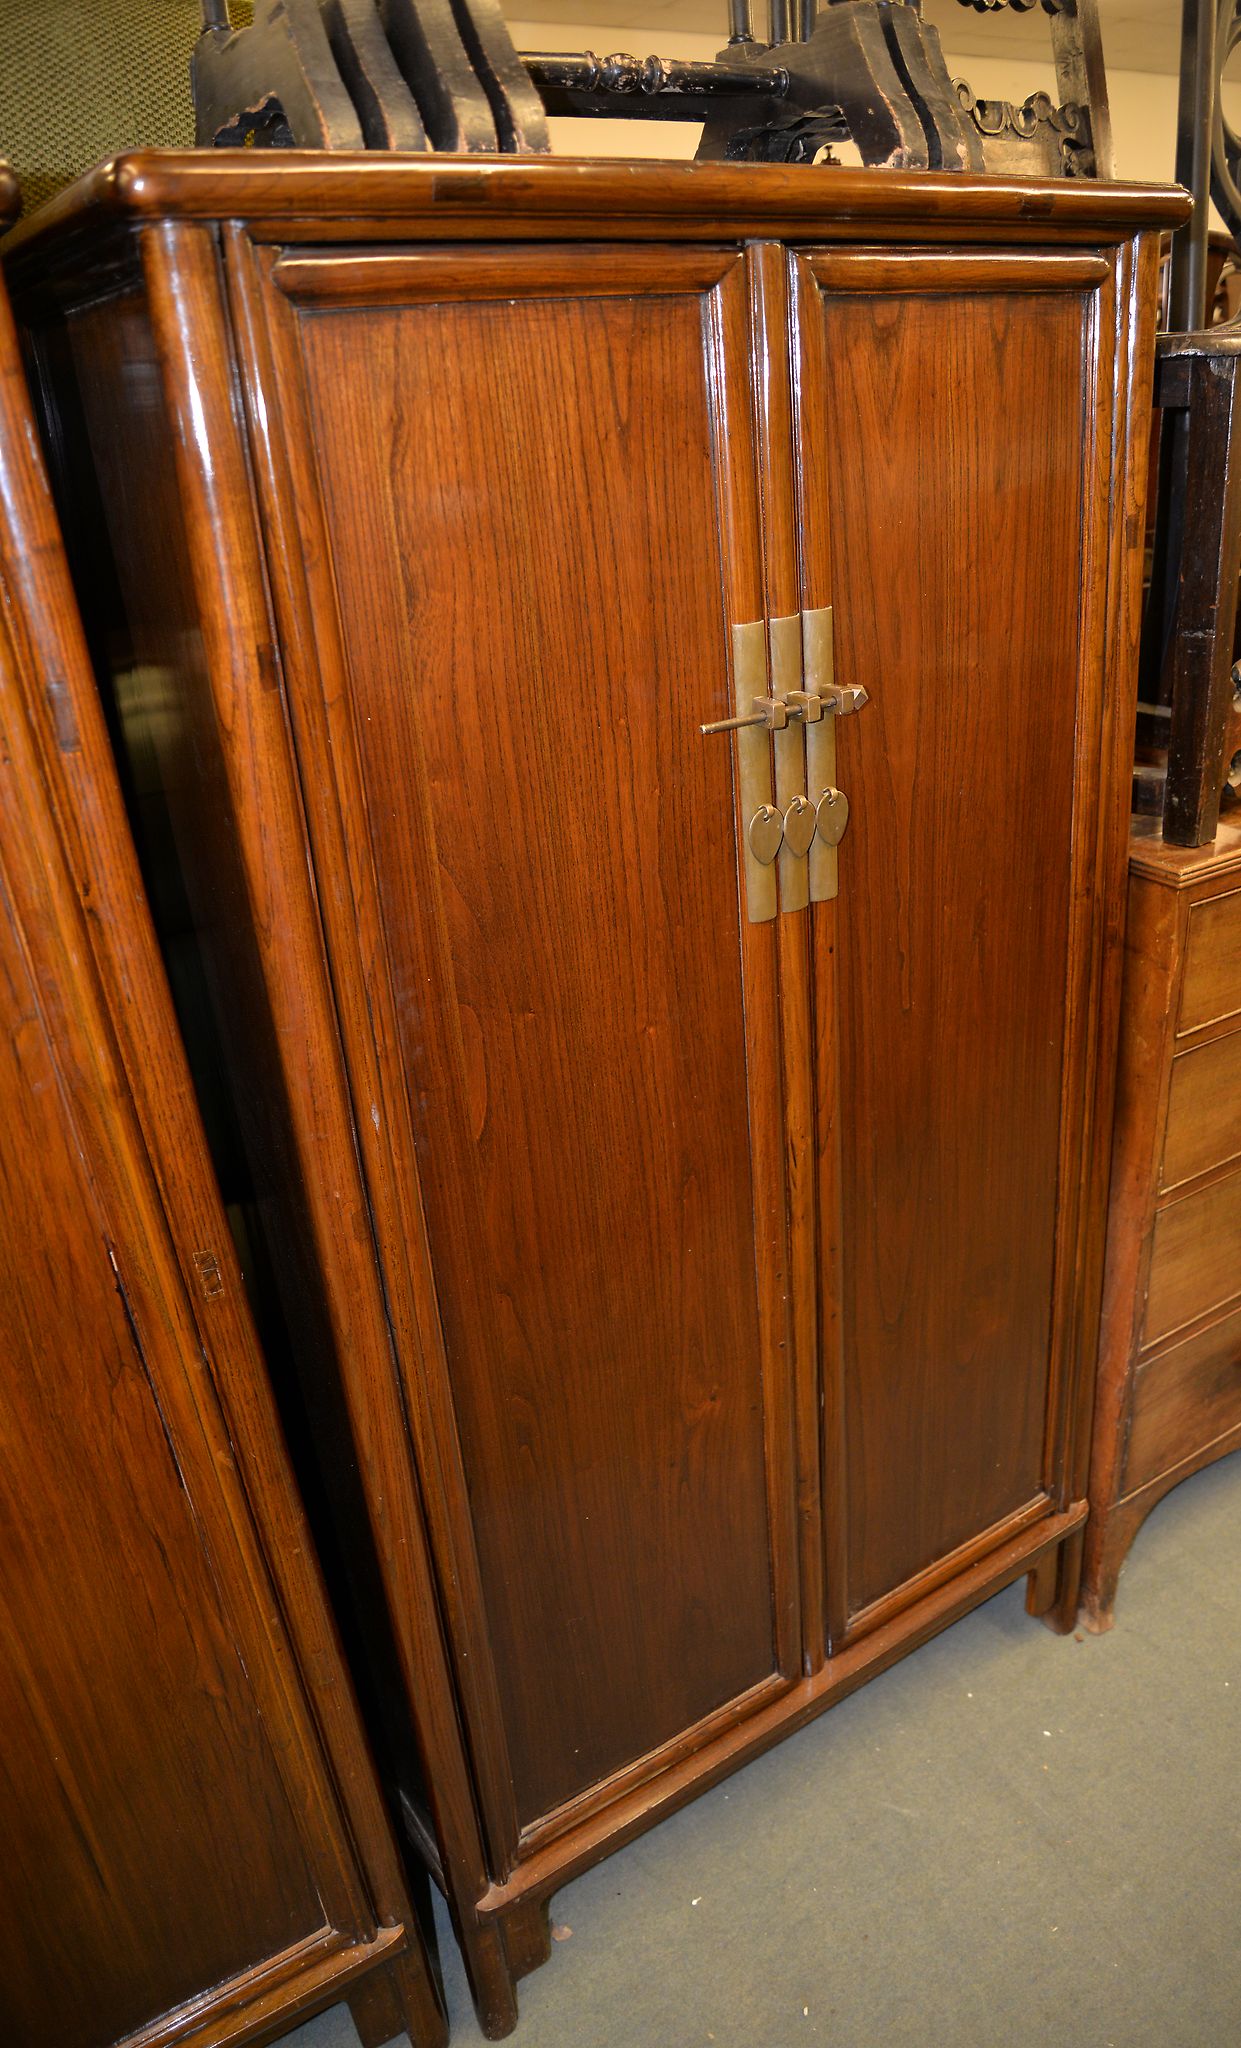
<point x="1169" y="1396"/>
<point x="194" y="1844"/>
<point x="595" y="1200"/>
<point x="559" y="928"/>
<point x="951" y="940"/>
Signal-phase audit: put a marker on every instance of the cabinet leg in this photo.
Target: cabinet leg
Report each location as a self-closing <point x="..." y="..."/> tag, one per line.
<point x="528" y="1935"/>
<point x="1041" y="1583"/>
<point x="1053" y="1585"/>
<point x="1109" y="1537"/>
<point x="492" y="1978"/>
<point x="399" y="1998"/>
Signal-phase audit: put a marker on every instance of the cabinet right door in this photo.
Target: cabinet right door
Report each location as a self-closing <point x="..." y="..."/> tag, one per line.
<point x="954" y="449"/>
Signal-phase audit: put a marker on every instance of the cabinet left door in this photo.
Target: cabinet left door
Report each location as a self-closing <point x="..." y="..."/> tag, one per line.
<point x="194" y="1849"/>
<point x="512" y="512"/>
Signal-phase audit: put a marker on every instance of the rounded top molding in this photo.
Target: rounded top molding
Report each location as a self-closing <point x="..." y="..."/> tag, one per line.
<point x="296" y="195"/>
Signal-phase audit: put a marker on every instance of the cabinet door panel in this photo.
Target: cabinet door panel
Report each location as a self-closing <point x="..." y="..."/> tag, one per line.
<point x="956" y="566"/>
<point x="527" y="520"/>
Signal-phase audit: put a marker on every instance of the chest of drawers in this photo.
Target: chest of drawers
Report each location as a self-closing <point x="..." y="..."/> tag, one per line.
<point x="1170" y="1362"/>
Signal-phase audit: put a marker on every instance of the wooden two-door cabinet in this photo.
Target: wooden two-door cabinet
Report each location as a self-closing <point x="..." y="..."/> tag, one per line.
<point x="684" y="1151"/>
<point x="195" y="1850"/>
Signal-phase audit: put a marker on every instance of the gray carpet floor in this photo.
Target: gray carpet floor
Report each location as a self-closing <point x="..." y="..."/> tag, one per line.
<point x="1011" y="1838"/>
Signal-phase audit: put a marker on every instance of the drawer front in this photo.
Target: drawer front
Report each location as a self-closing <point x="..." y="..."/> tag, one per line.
<point x="1183" y="1400"/>
<point x="1196" y="1260"/>
<point x="1212" y="985"/>
<point x="1204" y="1111"/>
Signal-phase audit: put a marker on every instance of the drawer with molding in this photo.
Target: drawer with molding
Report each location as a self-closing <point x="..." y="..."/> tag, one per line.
<point x="1183" y="1398"/>
<point x="1204" y="1112"/>
<point x="1195" y="1257"/>
<point x="1211" y="983"/>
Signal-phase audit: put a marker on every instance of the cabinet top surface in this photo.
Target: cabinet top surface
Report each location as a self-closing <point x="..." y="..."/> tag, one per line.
<point x="305" y="195"/>
<point x="1179" y="867"/>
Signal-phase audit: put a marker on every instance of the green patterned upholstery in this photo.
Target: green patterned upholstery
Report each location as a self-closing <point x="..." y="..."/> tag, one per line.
<point x="82" y="79"/>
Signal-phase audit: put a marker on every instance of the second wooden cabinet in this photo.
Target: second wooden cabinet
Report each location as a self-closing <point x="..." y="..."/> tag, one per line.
<point x="701" y="1217"/>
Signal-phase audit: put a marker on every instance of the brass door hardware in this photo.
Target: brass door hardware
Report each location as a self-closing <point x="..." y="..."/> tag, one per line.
<point x="764" y="833"/>
<point x="800" y="824"/>
<point x="772" y="712"/>
<point x="818" y="660"/>
<point x="754" y="784"/>
<point x="788" y="744"/>
<point x="832" y="816"/>
<point x="775" y="712"/>
<point x="842" y="701"/>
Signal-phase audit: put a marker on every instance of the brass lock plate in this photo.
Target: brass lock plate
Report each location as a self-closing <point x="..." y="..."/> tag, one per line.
<point x="832" y="816"/>
<point x="765" y="832"/>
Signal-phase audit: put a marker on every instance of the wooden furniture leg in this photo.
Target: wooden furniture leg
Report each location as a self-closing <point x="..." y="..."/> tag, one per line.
<point x="528" y="1936"/>
<point x="392" y="2002"/>
<point x="1053" y="1586"/>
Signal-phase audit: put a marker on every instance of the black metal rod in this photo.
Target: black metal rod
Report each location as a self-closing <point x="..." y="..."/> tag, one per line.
<point x="1195" y="116"/>
<point x="643" y="80"/>
<point x="804" y="12"/>
<point x="740" y="22"/>
<point x="215" y="14"/>
<point x="778" y="21"/>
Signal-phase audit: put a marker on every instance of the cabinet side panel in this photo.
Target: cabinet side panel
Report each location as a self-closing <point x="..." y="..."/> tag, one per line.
<point x="523" y="522"/>
<point x="150" y="1851"/>
<point x="955" y="477"/>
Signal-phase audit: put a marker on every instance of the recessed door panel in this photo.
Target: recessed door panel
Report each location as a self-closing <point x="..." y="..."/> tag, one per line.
<point x="525" y="525"/>
<point x="947" y="439"/>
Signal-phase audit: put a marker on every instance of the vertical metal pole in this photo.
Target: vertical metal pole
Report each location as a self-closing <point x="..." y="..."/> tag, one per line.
<point x="804" y="12"/>
<point x="778" y="22"/>
<point x="740" y="26"/>
<point x="1187" y="311"/>
<point x="1195" y="116"/>
<point x="215" y="14"/>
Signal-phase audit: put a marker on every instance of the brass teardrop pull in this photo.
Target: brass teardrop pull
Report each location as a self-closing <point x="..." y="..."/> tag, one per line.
<point x="832" y="816"/>
<point x="765" y="831"/>
<point x="799" y="824"/>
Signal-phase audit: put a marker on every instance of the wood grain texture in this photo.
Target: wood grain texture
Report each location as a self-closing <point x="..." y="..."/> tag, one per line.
<point x="952" y="272"/>
<point x="1167" y="1396"/>
<point x="1184" y="1399"/>
<point x="695" y="1292"/>
<point x="309" y="197"/>
<point x="1204" y="1110"/>
<point x="946" y="942"/>
<point x="1194" y="1264"/>
<point x="583" y="1141"/>
<point x="195" y="1844"/>
<point x="771" y="346"/>
<point x="124" y="1703"/>
<point x="696" y="1769"/>
<point x="1113" y="601"/>
<point x="1185" y="867"/>
<point x="1211" y="988"/>
<point x="1148" y="1004"/>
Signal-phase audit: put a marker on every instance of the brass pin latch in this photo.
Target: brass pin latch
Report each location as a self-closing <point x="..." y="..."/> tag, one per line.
<point x="775" y="712"/>
<point x="797" y="826"/>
